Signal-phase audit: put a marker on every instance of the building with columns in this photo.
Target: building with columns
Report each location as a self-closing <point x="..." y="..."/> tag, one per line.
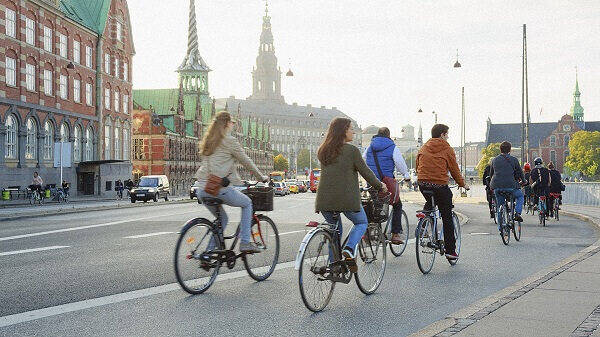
<point x="65" y="87"/>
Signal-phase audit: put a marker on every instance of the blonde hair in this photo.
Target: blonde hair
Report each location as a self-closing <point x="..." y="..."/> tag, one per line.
<point x="215" y="134"/>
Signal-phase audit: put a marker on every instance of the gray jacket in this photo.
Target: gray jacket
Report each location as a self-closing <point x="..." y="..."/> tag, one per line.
<point x="503" y="170"/>
<point x="222" y="162"/>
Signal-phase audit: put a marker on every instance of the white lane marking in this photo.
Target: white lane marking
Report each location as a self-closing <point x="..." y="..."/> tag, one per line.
<point x="479" y="233"/>
<point x="32" y="250"/>
<point x="84" y="227"/>
<point x="147" y="235"/>
<point x="292" y="232"/>
<point x="112" y="299"/>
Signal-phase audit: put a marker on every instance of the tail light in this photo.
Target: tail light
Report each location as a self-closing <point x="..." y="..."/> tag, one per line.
<point x="312" y="224"/>
<point x="420" y="215"/>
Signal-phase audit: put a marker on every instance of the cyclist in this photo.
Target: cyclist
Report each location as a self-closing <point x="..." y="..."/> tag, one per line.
<point x="219" y="151"/>
<point x="338" y="185"/>
<point x="540" y="180"/>
<point x="528" y="191"/>
<point x="489" y="193"/>
<point x="554" y="187"/>
<point x="433" y="162"/>
<point x="388" y="157"/>
<point x="506" y="176"/>
<point x="65" y="187"/>
<point x="36" y="183"/>
<point x="119" y="188"/>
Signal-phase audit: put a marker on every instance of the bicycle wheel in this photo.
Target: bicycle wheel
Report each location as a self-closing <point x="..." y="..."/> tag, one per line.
<point x="31" y="198"/>
<point x="516" y="228"/>
<point x="41" y="199"/>
<point x="495" y="210"/>
<point x="456" y="223"/>
<point x="195" y="269"/>
<point x="504" y="226"/>
<point x="371" y="260"/>
<point x="397" y="250"/>
<point x="315" y="288"/>
<point x="266" y="237"/>
<point x="425" y="248"/>
<point x="556" y="208"/>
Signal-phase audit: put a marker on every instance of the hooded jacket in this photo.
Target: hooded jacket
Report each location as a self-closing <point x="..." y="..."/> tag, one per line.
<point x="433" y="162"/>
<point x="384" y="147"/>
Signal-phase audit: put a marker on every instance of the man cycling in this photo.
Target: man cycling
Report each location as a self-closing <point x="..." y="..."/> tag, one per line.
<point x="554" y="188"/>
<point x="36" y="183"/>
<point x="540" y="180"/>
<point x="506" y="175"/>
<point x="433" y="162"/>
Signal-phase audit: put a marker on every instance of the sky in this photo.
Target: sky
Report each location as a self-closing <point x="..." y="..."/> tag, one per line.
<point x="380" y="61"/>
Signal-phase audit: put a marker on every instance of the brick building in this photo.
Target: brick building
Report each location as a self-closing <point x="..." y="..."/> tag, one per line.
<point x="65" y="87"/>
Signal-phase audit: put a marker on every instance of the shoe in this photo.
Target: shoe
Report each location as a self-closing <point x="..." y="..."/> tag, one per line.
<point x="249" y="248"/>
<point x="452" y="256"/>
<point x="397" y="239"/>
<point x="491" y="215"/>
<point x="348" y="253"/>
<point x="348" y="256"/>
<point x="518" y="217"/>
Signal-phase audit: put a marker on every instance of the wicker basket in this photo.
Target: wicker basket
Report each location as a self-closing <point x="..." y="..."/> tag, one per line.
<point x="262" y="198"/>
<point x="377" y="208"/>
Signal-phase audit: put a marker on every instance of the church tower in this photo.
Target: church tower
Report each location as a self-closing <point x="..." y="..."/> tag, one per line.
<point x="577" y="109"/>
<point x="266" y="77"/>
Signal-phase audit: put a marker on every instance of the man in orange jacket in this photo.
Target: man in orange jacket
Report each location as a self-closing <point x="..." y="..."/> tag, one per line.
<point x="433" y="162"/>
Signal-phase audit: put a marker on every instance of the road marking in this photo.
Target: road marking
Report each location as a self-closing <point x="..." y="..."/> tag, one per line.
<point x="292" y="232"/>
<point x="112" y="299"/>
<point x="32" y="250"/>
<point x="84" y="227"/>
<point x="147" y="235"/>
<point x="479" y="233"/>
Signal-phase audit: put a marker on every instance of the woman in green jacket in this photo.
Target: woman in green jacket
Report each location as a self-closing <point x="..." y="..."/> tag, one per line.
<point x="338" y="189"/>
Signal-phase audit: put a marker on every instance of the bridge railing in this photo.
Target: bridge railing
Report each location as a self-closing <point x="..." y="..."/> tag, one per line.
<point x="583" y="193"/>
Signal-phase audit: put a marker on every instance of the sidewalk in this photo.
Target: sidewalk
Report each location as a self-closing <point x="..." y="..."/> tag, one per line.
<point x="561" y="300"/>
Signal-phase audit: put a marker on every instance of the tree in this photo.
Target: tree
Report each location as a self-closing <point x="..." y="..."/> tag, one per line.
<point x="410" y="156"/>
<point x="304" y="159"/>
<point x="584" y="153"/>
<point x="280" y="163"/>
<point x="488" y="153"/>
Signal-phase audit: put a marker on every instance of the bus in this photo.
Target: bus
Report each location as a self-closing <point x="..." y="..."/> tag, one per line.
<point x="277" y="176"/>
<point x="315" y="174"/>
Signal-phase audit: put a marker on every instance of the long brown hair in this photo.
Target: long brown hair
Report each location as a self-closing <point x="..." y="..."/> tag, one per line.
<point x="336" y="136"/>
<point x="216" y="132"/>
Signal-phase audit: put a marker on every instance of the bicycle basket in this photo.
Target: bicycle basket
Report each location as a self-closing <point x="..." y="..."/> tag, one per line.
<point x="262" y="198"/>
<point x="377" y="208"/>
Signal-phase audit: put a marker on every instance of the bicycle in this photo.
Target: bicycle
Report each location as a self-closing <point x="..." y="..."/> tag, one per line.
<point x="64" y="195"/>
<point x="494" y="207"/>
<point x="529" y="203"/>
<point x="429" y="239"/>
<point x="542" y="210"/>
<point x="119" y="193"/>
<point x="201" y="251"/>
<point x="378" y="210"/>
<point x="555" y="204"/>
<point x="507" y="219"/>
<point x="34" y="195"/>
<point x="320" y="264"/>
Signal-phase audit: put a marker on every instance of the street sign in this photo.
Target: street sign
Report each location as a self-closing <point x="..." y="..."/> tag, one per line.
<point x="66" y="154"/>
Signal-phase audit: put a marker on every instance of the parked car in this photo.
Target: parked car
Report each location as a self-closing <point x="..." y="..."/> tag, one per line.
<point x="151" y="188"/>
<point x="293" y="188"/>
<point x="286" y="188"/>
<point x="301" y="187"/>
<point x="279" y="189"/>
<point x="194" y="189"/>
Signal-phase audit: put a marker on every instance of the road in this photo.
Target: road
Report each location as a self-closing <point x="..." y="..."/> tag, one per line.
<point x="110" y="272"/>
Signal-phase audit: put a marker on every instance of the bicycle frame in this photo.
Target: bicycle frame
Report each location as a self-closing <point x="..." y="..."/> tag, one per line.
<point x="438" y="241"/>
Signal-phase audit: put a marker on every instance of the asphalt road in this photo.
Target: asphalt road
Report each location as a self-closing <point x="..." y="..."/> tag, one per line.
<point x="111" y="273"/>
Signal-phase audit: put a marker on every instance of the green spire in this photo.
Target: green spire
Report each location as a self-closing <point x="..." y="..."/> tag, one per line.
<point x="577" y="109"/>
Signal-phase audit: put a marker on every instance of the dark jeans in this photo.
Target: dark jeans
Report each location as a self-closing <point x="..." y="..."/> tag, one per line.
<point x="490" y="196"/>
<point x="443" y="199"/>
<point x="397" y="218"/>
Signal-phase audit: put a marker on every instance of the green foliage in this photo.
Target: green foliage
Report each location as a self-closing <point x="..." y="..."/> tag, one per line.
<point x="410" y="158"/>
<point x="304" y="159"/>
<point x="584" y="153"/>
<point x="488" y="153"/>
<point x="280" y="163"/>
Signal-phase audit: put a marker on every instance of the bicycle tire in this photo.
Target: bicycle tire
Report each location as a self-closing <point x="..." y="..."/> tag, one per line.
<point x="495" y="211"/>
<point x="315" y="289"/>
<point x="425" y="250"/>
<point x="516" y="229"/>
<point x="31" y="199"/>
<point x="41" y="199"/>
<point x="193" y="275"/>
<point x="556" y="208"/>
<point x="266" y="237"/>
<point x="397" y="250"/>
<point x="457" y="237"/>
<point x="371" y="260"/>
<point x="504" y="227"/>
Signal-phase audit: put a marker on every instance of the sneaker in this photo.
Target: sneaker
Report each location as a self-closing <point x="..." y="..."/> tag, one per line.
<point x="518" y="217"/>
<point x="397" y="239"/>
<point x="348" y="255"/>
<point x="249" y="248"/>
<point x="452" y="256"/>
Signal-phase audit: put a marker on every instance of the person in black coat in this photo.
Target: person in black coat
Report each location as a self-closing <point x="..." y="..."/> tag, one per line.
<point x="555" y="186"/>
<point x="489" y="193"/>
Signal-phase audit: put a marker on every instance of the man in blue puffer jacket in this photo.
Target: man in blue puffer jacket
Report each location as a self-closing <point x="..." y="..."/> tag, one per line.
<point x="389" y="157"/>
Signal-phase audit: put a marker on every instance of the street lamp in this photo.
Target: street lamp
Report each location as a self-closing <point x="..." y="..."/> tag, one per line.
<point x="435" y="117"/>
<point x="462" y="127"/>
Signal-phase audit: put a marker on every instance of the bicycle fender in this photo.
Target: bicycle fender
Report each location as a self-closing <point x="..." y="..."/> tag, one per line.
<point x="192" y="222"/>
<point x="303" y="247"/>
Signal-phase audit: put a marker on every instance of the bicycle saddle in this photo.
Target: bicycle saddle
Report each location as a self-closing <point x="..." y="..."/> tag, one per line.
<point x="209" y="201"/>
<point x="505" y="193"/>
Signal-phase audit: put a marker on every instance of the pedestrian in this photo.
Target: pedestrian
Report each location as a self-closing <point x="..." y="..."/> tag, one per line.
<point x="219" y="151"/>
<point x="554" y="188"/>
<point x="338" y="191"/>
<point x="384" y="158"/>
<point x="507" y="176"/>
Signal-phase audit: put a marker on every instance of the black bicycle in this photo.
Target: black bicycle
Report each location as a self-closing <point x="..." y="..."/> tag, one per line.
<point x="379" y="210"/>
<point x="201" y="249"/>
<point x="506" y="218"/>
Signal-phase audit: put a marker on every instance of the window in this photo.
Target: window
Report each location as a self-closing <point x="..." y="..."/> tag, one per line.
<point x="64" y="93"/>
<point x="278" y="132"/>
<point x="88" y="93"/>
<point x="138" y="148"/>
<point x="534" y="154"/>
<point x="89" y="145"/>
<point x="29" y="31"/>
<point x="107" y="98"/>
<point x="76" y="51"/>
<point x="107" y="63"/>
<point x="88" y="56"/>
<point x="553" y="156"/>
<point x="566" y="141"/>
<point x="10" y="141"/>
<point x="117" y="101"/>
<point x="107" y="147"/>
<point x="63" y="45"/>
<point x="119" y="31"/>
<point x="31" y="142"/>
<point x="566" y="154"/>
<point x="11" y="72"/>
<point x="48" y="140"/>
<point x="48" y="82"/>
<point x="77" y="90"/>
<point x="117" y="142"/>
<point x="126" y="71"/>
<point x="116" y="67"/>
<point x="552" y="140"/>
<point x="30" y="77"/>
<point x="77" y="144"/>
<point x="126" y="104"/>
<point x="64" y="133"/>
<point x="126" y="141"/>
<point x="47" y="39"/>
<point x="11" y="23"/>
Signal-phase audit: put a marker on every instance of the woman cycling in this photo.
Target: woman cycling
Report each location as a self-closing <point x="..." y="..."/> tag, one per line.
<point x="338" y="185"/>
<point x="219" y="151"/>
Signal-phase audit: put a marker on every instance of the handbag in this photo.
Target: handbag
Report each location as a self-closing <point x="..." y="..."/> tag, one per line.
<point x="391" y="183"/>
<point x="562" y="187"/>
<point x="213" y="184"/>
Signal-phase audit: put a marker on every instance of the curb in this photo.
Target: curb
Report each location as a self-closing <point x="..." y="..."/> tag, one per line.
<point x="459" y="320"/>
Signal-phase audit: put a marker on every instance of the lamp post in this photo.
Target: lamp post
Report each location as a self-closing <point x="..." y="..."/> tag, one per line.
<point x="434" y="117"/>
<point x="462" y="126"/>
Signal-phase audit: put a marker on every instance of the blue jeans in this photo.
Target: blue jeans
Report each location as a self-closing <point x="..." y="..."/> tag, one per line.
<point x="233" y="198"/>
<point x="359" y="219"/>
<point x="517" y="194"/>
